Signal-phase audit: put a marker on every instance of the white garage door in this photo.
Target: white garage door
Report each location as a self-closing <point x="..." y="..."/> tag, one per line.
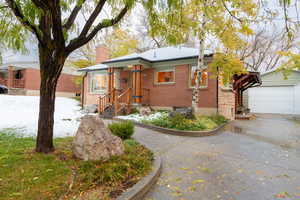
<point x="274" y="100"/>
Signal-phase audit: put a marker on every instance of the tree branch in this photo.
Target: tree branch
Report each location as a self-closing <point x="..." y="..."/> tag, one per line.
<point x="230" y="13"/>
<point x="92" y="18"/>
<point x="73" y="15"/>
<point x="20" y="16"/>
<point x="57" y="24"/>
<point x="80" y="41"/>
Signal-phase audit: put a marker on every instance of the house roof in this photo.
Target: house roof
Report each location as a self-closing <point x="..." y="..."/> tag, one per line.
<point x="160" y="54"/>
<point x="97" y="67"/>
<point x="151" y="56"/>
<point x="36" y="65"/>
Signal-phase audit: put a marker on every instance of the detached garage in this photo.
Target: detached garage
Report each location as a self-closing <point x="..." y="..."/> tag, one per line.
<point x="276" y="95"/>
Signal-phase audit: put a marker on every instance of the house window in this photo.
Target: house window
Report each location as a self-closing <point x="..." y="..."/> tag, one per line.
<point x="165" y="76"/>
<point x="98" y="82"/>
<point x="203" y="79"/>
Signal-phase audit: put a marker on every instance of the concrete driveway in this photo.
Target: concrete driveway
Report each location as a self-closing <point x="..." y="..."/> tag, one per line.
<point x="248" y="160"/>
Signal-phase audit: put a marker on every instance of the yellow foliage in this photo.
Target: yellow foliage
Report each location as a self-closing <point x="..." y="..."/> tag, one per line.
<point x="226" y="65"/>
<point x="293" y="62"/>
<point x="121" y="43"/>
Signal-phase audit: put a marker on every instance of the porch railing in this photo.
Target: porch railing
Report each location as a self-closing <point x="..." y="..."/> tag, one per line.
<point x="123" y="101"/>
<point x="3" y="82"/>
<point x="19" y="83"/>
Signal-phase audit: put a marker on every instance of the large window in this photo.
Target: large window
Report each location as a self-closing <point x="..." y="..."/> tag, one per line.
<point x="203" y="78"/>
<point x="98" y="82"/>
<point x="165" y="76"/>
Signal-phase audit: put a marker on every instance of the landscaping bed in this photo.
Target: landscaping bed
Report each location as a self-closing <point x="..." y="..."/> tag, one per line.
<point x="26" y="175"/>
<point x="178" y="121"/>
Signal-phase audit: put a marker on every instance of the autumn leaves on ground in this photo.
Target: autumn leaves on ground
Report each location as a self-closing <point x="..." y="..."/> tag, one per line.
<point x="27" y="175"/>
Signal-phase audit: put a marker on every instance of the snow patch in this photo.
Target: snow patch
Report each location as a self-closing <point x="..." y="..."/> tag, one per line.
<point x="21" y="112"/>
<point x="139" y="118"/>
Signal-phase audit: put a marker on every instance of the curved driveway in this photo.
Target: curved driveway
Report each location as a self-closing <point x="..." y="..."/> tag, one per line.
<point x="248" y="160"/>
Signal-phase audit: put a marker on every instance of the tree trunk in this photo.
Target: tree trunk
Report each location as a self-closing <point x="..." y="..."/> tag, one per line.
<point x="201" y="65"/>
<point x="46" y="117"/>
<point x="50" y="69"/>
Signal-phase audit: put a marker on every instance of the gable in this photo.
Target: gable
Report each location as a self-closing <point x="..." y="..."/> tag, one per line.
<point x="277" y="79"/>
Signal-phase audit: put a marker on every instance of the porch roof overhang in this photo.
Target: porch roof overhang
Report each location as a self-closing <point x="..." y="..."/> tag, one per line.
<point x="98" y="67"/>
<point x="246" y="81"/>
<point x="5" y="67"/>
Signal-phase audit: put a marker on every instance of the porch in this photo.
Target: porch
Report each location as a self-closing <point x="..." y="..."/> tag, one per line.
<point x="120" y="100"/>
<point x="12" y="77"/>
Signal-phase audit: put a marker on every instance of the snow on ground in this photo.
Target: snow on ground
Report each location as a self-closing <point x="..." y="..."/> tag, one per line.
<point x="22" y="112"/>
<point x="139" y="118"/>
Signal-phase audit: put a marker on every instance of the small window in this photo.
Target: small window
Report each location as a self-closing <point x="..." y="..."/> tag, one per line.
<point x="98" y="82"/>
<point x="165" y="76"/>
<point x="203" y="79"/>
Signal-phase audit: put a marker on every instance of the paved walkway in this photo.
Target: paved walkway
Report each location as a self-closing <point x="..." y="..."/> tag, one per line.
<point x="250" y="160"/>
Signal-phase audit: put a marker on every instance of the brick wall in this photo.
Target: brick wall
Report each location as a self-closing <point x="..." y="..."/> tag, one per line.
<point x="102" y="54"/>
<point x="226" y="103"/>
<point x="89" y="98"/>
<point x="65" y="83"/>
<point x="178" y="94"/>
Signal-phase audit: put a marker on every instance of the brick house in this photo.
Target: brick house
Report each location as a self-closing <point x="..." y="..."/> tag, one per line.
<point x="162" y="78"/>
<point x="23" y="78"/>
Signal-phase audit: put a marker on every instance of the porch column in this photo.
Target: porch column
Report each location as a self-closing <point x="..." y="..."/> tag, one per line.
<point x="137" y="84"/>
<point x="110" y="82"/>
<point x="10" y="77"/>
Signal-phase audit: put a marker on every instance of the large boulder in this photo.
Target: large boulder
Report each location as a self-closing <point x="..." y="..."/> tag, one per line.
<point x="187" y="112"/>
<point x="93" y="141"/>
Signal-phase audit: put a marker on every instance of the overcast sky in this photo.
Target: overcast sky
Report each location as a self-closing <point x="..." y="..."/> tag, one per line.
<point x="32" y="55"/>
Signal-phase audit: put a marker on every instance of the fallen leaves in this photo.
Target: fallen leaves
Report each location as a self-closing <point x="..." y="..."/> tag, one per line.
<point x="198" y="181"/>
<point x="282" y="195"/>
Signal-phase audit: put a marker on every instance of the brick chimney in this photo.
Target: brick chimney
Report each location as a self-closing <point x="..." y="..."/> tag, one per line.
<point x="102" y="53"/>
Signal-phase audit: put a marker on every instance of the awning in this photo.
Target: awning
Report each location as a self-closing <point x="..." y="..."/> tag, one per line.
<point x="245" y="81"/>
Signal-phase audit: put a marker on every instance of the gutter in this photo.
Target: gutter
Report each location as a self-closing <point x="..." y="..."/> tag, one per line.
<point x="153" y="61"/>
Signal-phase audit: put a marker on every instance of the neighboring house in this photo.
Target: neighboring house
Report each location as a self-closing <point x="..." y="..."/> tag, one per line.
<point x="276" y="95"/>
<point x="162" y="78"/>
<point x="23" y="78"/>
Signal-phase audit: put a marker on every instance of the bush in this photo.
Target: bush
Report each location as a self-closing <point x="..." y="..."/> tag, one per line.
<point x="219" y="119"/>
<point x="179" y="122"/>
<point x="124" y="130"/>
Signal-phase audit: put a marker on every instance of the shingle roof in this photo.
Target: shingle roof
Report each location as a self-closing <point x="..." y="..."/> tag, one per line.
<point x="160" y="54"/>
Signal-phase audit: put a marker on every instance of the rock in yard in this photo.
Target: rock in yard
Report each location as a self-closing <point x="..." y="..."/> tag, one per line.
<point x="93" y="141"/>
<point x="186" y="112"/>
<point x="145" y="111"/>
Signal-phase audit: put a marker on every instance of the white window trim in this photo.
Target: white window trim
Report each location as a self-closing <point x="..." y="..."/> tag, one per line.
<point x="164" y="70"/>
<point x="190" y="79"/>
<point x="91" y="74"/>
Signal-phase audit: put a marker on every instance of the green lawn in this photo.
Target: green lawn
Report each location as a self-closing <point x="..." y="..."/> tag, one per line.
<point x="27" y="175"/>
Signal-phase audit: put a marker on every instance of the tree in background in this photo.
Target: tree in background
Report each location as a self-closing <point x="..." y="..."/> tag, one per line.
<point x="52" y="22"/>
<point x="120" y="43"/>
<point x="224" y="20"/>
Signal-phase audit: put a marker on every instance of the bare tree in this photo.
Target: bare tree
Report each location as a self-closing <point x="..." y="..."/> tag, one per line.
<point x="261" y="53"/>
